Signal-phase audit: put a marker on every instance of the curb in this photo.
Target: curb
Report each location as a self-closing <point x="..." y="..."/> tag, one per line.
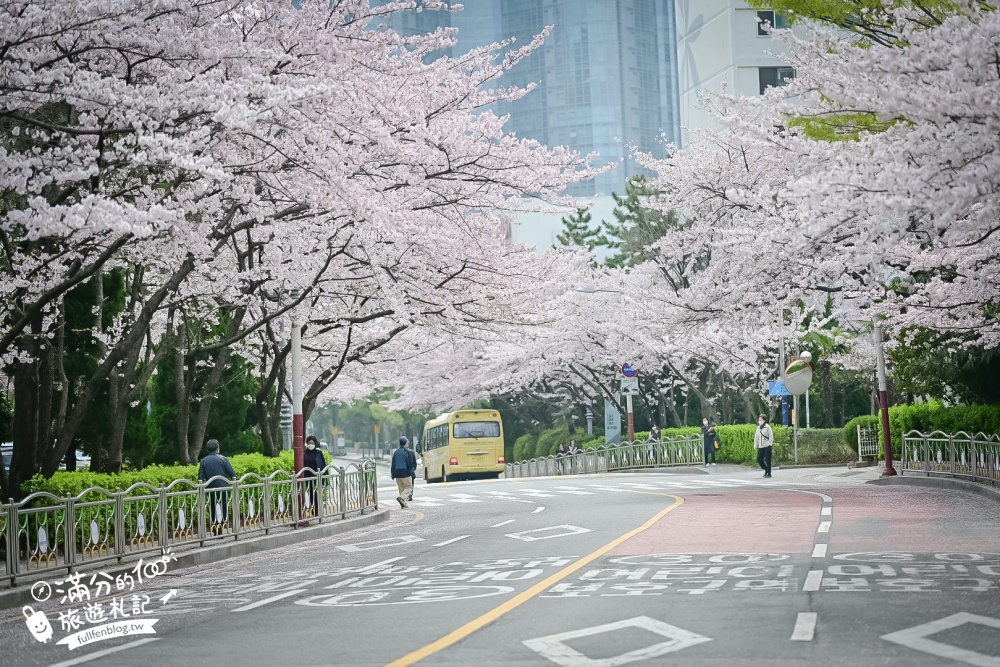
<point x="795" y="466"/>
<point x="940" y="483"/>
<point x="21" y="595"/>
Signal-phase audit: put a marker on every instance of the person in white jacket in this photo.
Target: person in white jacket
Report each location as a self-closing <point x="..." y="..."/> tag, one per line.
<point x="763" y="442"/>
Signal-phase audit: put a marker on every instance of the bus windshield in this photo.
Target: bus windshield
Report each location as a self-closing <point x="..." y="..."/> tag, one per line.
<point x="477" y="430"/>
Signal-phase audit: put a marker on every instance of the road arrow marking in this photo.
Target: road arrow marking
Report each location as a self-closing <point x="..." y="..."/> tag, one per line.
<point x="916" y="638"/>
<point x="554" y="648"/>
<point x="564" y="530"/>
<point x="172" y="593"/>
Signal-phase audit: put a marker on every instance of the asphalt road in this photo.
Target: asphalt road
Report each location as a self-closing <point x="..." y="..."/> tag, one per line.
<point x="648" y="569"/>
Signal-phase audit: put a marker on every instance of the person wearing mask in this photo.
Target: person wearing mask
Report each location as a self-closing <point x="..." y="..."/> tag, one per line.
<point x="400" y="470"/>
<point x="710" y="439"/>
<point x="763" y="441"/>
<point x="312" y="462"/>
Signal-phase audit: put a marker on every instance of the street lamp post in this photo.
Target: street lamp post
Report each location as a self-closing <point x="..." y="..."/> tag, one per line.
<point x="883" y="399"/>
<point x="298" y="424"/>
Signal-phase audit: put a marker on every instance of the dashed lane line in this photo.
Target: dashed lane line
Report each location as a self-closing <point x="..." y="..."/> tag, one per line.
<point x="100" y="654"/>
<point x="805" y="627"/>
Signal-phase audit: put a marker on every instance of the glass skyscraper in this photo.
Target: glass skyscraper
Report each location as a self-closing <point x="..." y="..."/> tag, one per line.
<point x="607" y="75"/>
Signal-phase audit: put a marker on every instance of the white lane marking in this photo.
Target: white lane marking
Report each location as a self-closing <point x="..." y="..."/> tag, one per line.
<point x="503" y="495"/>
<point x="575" y="490"/>
<point x="612" y="489"/>
<point x="916" y="638"/>
<point x="452" y="540"/>
<point x="535" y="493"/>
<point x="819" y="550"/>
<point x="502" y="523"/>
<point x="379" y="544"/>
<point x="100" y="654"/>
<point x="428" y="502"/>
<point x="805" y="627"/>
<point x="813" y="580"/>
<point x="273" y="598"/>
<point x="826" y="511"/>
<point x="565" y="530"/>
<point x="554" y="648"/>
<point x="824" y="527"/>
<point x="463" y="498"/>
<point x="378" y="565"/>
<point x="540" y="508"/>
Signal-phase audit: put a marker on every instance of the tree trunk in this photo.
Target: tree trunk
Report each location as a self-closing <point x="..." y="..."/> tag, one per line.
<point x="33" y="385"/>
<point x="826" y="386"/>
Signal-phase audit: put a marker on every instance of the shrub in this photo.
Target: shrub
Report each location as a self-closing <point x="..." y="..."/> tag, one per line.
<point x="523" y="446"/>
<point x="927" y="417"/>
<point x="65" y="483"/>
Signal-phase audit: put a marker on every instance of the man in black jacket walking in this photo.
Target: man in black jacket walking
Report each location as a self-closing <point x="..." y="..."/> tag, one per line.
<point x="216" y="465"/>
<point x="402" y="469"/>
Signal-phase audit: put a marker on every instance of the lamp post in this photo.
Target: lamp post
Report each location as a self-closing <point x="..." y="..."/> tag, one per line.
<point x="883" y="399"/>
<point x="298" y="423"/>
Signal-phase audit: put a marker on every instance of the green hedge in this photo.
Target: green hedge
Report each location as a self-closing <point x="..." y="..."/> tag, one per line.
<point x="65" y="483"/>
<point x="524" y="447"/>
<point x="927" y="417"/>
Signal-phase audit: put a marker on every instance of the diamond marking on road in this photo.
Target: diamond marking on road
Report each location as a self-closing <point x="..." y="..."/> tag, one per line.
<point x="917" y="639"/>
<point x="564" y="530"/>
<point x="380" y="544"/>
<point x="555" y="649"/>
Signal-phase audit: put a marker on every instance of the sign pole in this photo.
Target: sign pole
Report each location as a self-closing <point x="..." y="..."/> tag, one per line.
<point x="631" y="428"/>
<point x="795" y="426"/>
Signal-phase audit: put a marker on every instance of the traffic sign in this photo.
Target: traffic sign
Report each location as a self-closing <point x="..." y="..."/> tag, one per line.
<point x="378" y="428"/>
<point x="776" y="388"/>
<point x="630" y="386"/>
<point x="629" y="371"/>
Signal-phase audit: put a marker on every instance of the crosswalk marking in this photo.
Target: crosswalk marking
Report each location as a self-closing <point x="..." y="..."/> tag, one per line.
<point x="428" y="497"/>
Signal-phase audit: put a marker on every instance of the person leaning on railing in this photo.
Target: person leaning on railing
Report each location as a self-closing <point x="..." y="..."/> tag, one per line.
<point x="216" y="465"/>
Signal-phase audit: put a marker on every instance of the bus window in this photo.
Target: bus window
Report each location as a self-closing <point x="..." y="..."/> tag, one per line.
<point x="477" y="430"/>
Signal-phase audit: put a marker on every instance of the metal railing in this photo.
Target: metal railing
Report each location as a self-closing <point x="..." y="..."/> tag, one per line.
<point x="45" y="532"/>
<point x="679" y="451"/>
<point x="975" y="457"/>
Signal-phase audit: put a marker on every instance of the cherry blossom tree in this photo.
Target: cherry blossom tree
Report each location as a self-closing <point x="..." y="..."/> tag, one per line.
<point x="243" y="164"/>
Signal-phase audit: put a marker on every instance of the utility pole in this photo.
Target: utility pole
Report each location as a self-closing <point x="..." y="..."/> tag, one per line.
<point x="883" y="399"/>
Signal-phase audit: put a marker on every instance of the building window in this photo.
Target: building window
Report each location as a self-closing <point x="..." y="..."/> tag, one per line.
<point x="774" y="76"/>
<point x="774" y="19"/>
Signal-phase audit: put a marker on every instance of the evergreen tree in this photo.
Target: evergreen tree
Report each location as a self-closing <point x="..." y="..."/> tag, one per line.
<point x="577" y="233"/>
<point x="635" y="227"/>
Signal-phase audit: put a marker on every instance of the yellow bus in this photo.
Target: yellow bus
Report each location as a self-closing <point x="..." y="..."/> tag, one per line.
<point x="464" y="444"/>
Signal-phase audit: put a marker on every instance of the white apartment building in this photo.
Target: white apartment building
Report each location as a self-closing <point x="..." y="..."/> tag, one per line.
<point x="721" y="43"/>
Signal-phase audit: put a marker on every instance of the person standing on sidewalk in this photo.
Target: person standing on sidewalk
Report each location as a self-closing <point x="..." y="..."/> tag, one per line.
<point x="400" y="471"/>
<point x="313" y="462"/>
<point x="763" y="441"/>
<point x="218" y="469"/>
<point x="710" y="439"/>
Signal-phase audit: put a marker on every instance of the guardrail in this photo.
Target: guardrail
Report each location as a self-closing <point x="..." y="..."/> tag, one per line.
<point x="45" y="532"/>
<point x="975" y="457"/>
<point x="680" y="451"/>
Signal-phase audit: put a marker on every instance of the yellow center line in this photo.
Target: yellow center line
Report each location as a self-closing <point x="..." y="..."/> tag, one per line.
<point x="477" y="624"/>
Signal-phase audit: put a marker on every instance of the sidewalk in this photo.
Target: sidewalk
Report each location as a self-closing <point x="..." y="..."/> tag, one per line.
<point x="192" y="556"/>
